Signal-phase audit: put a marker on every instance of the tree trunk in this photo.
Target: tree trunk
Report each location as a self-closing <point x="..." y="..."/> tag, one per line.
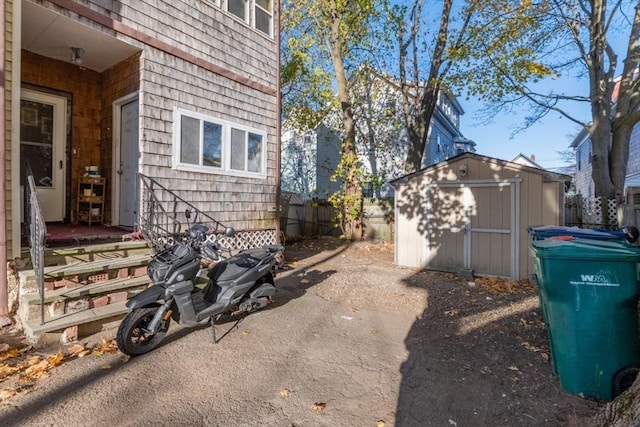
<point x="353" y="202"/>
<point x="624" y="411"/>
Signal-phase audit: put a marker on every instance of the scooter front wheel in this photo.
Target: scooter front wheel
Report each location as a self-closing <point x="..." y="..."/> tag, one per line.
<point x="133" y="338"/>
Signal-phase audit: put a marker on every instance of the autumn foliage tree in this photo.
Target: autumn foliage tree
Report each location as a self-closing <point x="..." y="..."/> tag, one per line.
<point x="322" y="38"/>
<point x="422" y="38"/>
<point x="514" y="46"/>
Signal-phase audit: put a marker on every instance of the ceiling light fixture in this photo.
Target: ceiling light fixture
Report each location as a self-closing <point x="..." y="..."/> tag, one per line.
<point x="76" y="55"/>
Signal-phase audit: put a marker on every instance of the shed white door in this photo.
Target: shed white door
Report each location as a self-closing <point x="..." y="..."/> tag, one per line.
<point x="479" y="232"/>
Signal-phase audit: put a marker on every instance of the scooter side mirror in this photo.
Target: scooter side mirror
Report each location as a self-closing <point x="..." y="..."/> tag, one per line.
<point x="631" y="233"/>
<point x="187" y="213"/>
<point x="229" y="232"/>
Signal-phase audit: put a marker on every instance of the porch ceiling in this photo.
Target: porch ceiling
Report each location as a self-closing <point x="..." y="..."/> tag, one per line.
<point x="52" y="35"/>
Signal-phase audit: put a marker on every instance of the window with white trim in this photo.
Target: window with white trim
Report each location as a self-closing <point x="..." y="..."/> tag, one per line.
<point x="207" y="144"/>
<point x="256" y="13"/>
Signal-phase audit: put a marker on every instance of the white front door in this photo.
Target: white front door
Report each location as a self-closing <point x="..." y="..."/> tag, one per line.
<point x="42" y="144"/>
<point x="128" y="154"/>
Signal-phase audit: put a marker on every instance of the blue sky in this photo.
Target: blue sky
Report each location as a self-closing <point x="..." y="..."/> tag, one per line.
<point x="553" y="133"/>
<point x="544" y="139"/>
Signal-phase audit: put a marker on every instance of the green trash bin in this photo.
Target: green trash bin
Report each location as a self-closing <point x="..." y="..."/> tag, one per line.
<point x="589" y="295"/>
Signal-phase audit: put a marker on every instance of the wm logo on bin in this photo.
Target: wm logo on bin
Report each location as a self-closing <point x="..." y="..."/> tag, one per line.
<point x="593" y="278"/>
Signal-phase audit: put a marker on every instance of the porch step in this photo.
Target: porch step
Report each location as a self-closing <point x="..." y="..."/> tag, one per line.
<point x="83" y="286"/>
<point x="75" y="254"/>
<point x="90" y="290"/>
<point x="33" y="328"/>
<point x="29" y="282"/>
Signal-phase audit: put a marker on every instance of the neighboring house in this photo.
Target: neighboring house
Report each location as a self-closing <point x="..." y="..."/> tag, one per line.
<point x="309" y="159"/>
<point x="584" y="184"/>
<point x="582" y="146"/>
<point x="183" y="92"/>
<point x="521" y="159"/>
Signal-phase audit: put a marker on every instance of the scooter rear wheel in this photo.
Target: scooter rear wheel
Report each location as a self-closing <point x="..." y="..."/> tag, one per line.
<point x="132" y="337"/>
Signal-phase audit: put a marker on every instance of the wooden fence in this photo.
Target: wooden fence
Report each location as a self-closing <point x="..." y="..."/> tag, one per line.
<point x="314" y="218"/>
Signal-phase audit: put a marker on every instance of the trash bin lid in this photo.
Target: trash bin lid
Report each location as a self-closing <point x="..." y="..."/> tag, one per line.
<point x="588" y="233"/>
<point x="585" y="249"/>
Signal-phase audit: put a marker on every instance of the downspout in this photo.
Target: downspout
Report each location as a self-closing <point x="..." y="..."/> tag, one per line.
<point x="278" y="124"/>
<point x="4" y="291"/>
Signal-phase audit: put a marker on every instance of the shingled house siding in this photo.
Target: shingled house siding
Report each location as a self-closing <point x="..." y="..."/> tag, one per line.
<point x="196" y="57"/>
<point x="168" y="82"/>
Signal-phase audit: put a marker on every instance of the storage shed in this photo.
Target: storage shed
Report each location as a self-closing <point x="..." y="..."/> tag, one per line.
<point x="470" y="214"/>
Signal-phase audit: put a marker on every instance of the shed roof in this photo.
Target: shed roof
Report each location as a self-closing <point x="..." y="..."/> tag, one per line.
<point x="548" y="175"/>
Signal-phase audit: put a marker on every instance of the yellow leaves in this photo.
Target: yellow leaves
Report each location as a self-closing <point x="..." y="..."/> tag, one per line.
<point x="318" y="406"/>
<point x="107" y="346"/>
<point x="284" y="392"/>
<point x="7" y="394"/>
<point x="497" y="285"/>
<point x="21" y="368"/>
<point x="9" y="354"/>
<point x="56" y="359"/>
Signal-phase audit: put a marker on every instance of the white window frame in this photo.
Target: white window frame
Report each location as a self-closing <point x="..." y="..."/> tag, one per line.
<point x="250" y="13"/>
<point x="226" y="153"/>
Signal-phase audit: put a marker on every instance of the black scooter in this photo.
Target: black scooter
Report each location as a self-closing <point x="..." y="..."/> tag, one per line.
<point x="242" y="283"/>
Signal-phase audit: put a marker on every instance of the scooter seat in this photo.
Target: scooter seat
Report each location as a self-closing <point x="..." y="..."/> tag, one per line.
<point x="236" y="266"/>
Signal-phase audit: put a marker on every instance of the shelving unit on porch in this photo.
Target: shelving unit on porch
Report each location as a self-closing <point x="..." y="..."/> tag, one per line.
<point x="91" y="199"/>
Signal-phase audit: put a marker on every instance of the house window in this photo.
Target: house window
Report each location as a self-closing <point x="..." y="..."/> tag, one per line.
<point x="238" y="8"/>
<point x="257" y="13"/>
<point x="207" y="144"/>
<point x="263" y="12"/>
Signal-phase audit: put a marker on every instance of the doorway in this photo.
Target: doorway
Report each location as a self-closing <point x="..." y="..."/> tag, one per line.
<point x="42" y="144"/>
<point x="127" y="155"/>
<point x="473" y="225"/>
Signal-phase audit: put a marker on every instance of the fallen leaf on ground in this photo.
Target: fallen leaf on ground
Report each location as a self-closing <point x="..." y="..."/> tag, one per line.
<point x="7" y="394"/>
<point x="380" y="423"/>
<point x="75" y="349"/>
<point x="56" y="359"/>
<point x="9" y="354"/>
<point x="513" y="368"/>
<point x="284" y="392"/>
<point x="452" y="312"/>
<point x="319" y="406"/>
<point x="531" y="347"/>
<point x="107" y="346"/>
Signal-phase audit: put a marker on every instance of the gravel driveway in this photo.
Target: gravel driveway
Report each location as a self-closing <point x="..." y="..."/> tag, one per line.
<point x="351" y="340"/>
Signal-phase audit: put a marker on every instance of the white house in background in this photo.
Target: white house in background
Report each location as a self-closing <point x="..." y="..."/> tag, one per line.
<point x="584" y="182"/>
<point x="308" y="159"/>
<point x="521" y="159"/>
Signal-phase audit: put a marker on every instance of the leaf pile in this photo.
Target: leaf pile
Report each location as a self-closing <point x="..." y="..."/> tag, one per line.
<point x="20" y="370"/>
<point x="499" y="286"/>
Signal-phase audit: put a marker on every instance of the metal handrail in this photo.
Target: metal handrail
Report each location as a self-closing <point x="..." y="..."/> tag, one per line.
<point x="36" y="231"/>
<point x="161" y="226"/>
